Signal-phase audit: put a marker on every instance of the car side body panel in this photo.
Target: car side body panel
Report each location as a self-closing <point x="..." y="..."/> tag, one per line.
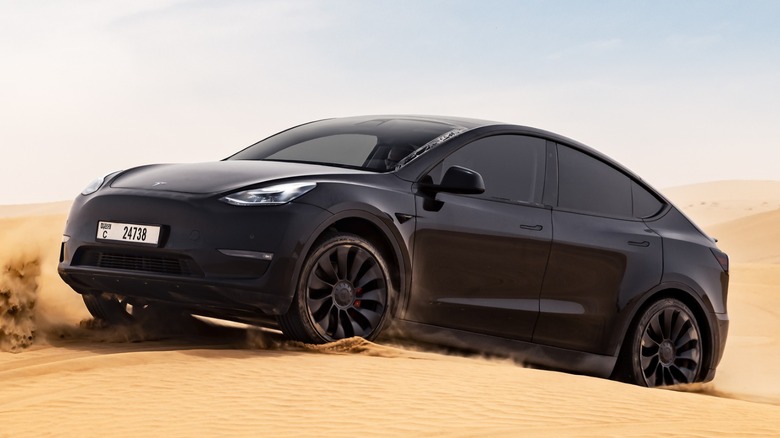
<point x="475" y="274"/>
<point x="596" y="263"/>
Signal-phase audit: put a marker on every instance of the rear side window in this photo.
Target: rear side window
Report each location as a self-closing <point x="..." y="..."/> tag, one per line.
<point x="512" y="166"/>
<point x="591" y="185"/>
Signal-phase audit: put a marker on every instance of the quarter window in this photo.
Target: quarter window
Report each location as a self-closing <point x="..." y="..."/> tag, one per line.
<point x="645" y="203"/>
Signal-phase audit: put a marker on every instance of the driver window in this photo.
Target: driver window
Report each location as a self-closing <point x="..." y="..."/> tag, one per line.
<point x="512" y="166"/>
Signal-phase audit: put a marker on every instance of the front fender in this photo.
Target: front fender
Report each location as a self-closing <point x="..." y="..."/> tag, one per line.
<point x="386" y="225"/>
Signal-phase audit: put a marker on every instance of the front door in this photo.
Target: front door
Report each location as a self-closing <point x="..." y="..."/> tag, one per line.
<point x="479" y="260"/>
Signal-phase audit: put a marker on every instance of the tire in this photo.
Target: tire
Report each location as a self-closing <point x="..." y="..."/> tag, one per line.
<point x="344" y="290"/>
<point x="666" y="346"/>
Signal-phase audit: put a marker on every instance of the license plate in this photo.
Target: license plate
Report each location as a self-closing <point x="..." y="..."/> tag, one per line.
<point x="117" y="231"/>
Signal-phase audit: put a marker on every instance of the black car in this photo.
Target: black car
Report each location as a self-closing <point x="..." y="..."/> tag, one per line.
<point x="463" y="232"/>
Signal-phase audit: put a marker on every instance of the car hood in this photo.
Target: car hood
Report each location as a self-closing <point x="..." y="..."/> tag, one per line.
<point x="220" y="176"/>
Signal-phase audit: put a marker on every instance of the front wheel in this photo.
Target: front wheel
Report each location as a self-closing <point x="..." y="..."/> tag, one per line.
<point x="666" y="347"/>
<point x="344" y="290"/>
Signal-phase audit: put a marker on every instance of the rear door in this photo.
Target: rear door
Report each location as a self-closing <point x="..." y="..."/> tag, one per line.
<point x="479" y="260"/>
<point x="602" y="254"/>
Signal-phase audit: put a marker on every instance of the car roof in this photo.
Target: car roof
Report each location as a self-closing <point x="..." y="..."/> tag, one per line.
<point x="460" y="122"/>
<point x="457" y="122"/>
<point x="473" y="123"/>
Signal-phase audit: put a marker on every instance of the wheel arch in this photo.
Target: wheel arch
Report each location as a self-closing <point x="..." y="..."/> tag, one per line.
<point x="379" y="231"/>
<point x="688" y="297"/>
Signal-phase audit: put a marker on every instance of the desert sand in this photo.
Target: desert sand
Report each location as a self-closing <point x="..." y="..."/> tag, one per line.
<point x="63" y="376"/>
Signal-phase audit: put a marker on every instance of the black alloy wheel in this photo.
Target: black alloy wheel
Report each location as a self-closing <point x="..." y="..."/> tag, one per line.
<point x="667" y="347"/>
<point x="344" y="291"/>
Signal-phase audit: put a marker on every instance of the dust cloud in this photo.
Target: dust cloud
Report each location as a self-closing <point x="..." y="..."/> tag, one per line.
<point x="18" y="294"/>
<point x="34" y="301"/>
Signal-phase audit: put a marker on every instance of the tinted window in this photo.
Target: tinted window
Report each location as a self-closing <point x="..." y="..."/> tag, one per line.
<point x="511" y="165"/>
<point x="588" y="184"/>
<point x="349" y="149"/>
<point x="369" y="143"/>
<point x="645" y="203"/>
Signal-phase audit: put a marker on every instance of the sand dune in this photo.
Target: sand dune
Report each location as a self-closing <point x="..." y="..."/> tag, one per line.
<point x="722" y="201"/>
<point x="23" y="210"/>
<point x="77" y="379"/>
<point x="750" y="369"/>
<point x="174" y="389"/>
<point x="751" y="239"/>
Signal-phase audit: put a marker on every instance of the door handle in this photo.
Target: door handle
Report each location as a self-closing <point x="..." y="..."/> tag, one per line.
<point x="532" y="227"/>
<point x="643" y="243"/>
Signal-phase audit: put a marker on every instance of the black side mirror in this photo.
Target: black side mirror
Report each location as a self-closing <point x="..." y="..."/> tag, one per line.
<point x="460" y="180"/>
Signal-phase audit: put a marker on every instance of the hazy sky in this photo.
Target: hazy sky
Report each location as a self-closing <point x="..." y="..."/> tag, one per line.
<point x="678" y="91"/>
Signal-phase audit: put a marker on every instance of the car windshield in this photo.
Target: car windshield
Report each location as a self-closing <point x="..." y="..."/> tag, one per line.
<point x="377" y="144"/>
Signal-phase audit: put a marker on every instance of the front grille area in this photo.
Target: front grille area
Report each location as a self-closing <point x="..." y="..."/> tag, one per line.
<point x="157" y="264"/>
<point x="160" y="265"/>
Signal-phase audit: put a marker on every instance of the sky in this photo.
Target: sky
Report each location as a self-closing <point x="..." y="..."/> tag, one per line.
<point x="678" y="92"/>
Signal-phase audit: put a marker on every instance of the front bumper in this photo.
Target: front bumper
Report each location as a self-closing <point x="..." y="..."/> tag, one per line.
<point x="206" y="255"/>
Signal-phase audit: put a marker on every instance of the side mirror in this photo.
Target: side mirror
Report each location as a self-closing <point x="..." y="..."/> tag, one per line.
<point x="459" y="180"/>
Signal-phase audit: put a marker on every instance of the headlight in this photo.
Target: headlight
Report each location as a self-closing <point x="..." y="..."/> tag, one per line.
<point x="97" y="183"/>
<point x="272" y="195"/>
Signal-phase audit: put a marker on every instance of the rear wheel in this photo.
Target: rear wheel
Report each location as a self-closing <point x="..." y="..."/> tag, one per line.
<point x="666" y="345"/>
<point x="344" y="290"/>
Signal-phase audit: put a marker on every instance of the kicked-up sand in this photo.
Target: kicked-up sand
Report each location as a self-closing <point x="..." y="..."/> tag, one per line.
<point x="60" y="375"/>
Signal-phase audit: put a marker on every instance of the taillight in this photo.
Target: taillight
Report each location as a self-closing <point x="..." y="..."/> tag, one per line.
<point x="722" y="258"/>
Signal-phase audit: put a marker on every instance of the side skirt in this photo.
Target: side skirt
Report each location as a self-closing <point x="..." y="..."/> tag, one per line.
<point x="521" y="351"/>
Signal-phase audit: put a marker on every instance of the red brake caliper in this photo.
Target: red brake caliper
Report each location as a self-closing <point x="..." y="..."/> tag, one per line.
<point x="358" y="291"/>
